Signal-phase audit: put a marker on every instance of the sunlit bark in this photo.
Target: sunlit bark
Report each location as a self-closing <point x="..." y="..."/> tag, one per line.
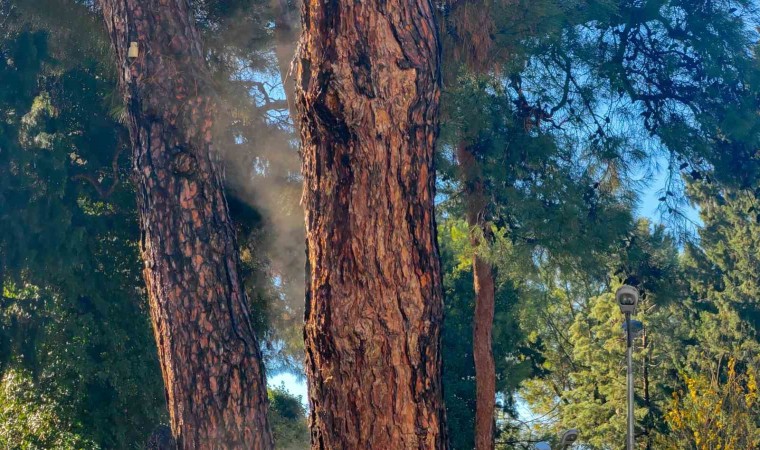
<point x="209" y="355"/>
<point x="485" y="294"/>
<point x="368" y="93"/>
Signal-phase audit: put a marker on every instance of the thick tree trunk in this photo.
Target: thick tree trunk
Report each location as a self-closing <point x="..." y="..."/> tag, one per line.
<point x="368" y="93"/>
<point x="485" y="292"/>
<point x="209" y="355"/>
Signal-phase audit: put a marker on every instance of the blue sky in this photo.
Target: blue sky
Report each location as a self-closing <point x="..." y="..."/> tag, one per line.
<point x="292" y="383"/>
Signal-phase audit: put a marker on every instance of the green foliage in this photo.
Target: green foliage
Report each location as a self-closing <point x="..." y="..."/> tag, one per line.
<point x="29" y="420"/>
<point x="696" y="366"/>
<point x="717" y="405"/>
<point x="546" y="211"/>
<point x="459" y="367"/>
<point x="564" y="104"/>
<point x="73" y="319"/>
<point x="578" y="330"/>
<point x="287" y="417"/>
<point x="714" y="412"/>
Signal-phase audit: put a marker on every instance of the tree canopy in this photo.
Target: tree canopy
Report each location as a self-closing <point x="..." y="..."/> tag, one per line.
<point x="573" y="112"/>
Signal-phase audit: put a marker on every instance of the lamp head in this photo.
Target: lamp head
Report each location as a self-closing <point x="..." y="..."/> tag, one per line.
<point x="569" y="437"/>
<point x="627" y="297"/>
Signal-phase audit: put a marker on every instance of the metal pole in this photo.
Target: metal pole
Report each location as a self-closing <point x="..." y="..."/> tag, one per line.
<point x="629" y="358"/>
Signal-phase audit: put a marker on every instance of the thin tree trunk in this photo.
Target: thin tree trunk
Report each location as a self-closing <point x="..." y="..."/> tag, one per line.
<point x="286" y="39"/>
<point x="2" y="273"/>
<point x="482" y="343"/>
<point x="214" y="381"/>
<point x="485" y="292"/>
<point x="368" y="93"/>
<point x="648" y="425"/>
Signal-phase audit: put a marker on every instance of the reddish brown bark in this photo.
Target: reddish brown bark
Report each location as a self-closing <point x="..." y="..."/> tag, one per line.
<point x="368" y="93"/>
<point x="209" y="355"/>
<point x="485" y="291"/>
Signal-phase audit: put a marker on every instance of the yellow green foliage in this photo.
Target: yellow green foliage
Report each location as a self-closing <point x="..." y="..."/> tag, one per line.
<point x="715" y="413"/>
<point x="29" y="420"/>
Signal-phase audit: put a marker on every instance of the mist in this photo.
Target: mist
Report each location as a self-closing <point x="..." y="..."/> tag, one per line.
<point x="259" y="147"/>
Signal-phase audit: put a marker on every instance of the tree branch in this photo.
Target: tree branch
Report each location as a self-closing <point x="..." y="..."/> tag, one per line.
<point x="102" y="191"/>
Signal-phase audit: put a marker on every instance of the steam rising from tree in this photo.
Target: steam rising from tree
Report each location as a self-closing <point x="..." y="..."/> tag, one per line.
<point x="259" y="148"/>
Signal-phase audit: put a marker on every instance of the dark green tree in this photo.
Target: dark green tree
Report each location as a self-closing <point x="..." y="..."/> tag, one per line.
<point x="73" y="322"/>
<point x="287" y="416"/>
<point x="579" y="334"/>
<point x="616" y="87"/>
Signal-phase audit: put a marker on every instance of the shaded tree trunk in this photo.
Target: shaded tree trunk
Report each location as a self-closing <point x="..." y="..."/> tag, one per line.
<point x="368" y="94"/>
<point x="648" y="421"/>
<point x="485" y="298"/>
<point x="210" y="360"/>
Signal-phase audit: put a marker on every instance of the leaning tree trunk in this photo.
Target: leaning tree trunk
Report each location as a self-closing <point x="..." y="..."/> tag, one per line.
<point x="485" y="293"/>
<point x="209" y="355"/>
<point x="368" y="93"/>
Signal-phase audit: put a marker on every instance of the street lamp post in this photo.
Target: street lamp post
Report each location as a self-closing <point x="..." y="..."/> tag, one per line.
<point x="627" y="297"/>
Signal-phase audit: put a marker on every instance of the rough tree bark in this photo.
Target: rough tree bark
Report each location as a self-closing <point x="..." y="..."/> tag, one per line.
<point x="214" y="381"/>
<point x="368" y="94"/>
<point x="485" y="294"/>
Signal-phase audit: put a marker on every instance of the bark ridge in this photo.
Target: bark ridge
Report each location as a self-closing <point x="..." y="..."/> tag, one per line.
<point x="368" y="93"/>
<point x="210" y="359"/>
